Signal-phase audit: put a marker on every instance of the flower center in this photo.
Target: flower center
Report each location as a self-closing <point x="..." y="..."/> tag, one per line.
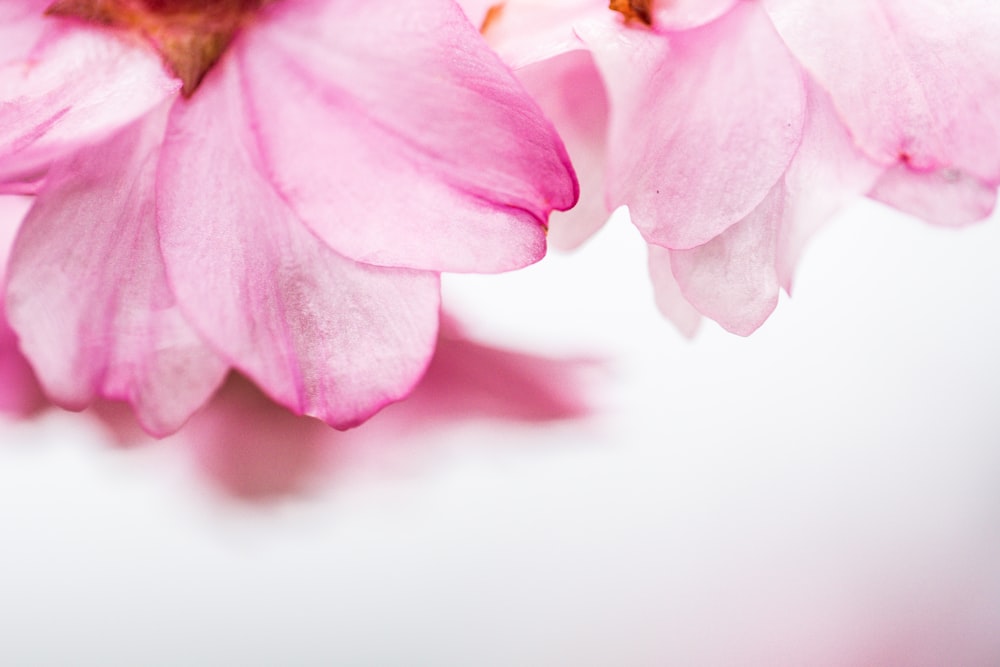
<point x="634" y="10"/>
<point x="190" y="35"/>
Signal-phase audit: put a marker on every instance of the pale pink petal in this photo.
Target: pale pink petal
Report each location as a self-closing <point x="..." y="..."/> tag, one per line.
<point x="530" y="31"/>
<point x="686" y="14"/>
<point x="19" y="390"/>
<point x="87" y="292"/>
<point x="320" y="333"/>
<point x="21" y="24"/>
<point x="916" y="81"/>
<point x="570" y="91"/>
<point x="732" y="278"/>
<point x="944" y="197"/>
<point x="827" y="173"/>
<point x="78" y="85"/>
<point x="703" y="122"/>
<point x="399" y="138"/>
<point x="536" y="37"/>
<point x="477" y="10"/>
<point x="669" y="298"/>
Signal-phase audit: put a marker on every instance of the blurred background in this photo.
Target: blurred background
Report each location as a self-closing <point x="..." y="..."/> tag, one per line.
<point x="575" y="484"/>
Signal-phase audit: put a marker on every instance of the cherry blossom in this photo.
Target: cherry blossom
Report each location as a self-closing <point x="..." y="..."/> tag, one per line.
<point x="268" y="186"/>
<point x="733" y="130"/>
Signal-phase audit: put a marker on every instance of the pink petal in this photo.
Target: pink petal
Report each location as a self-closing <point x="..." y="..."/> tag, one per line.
<point x="530" y="31"/>
<point x="477" y="10"/>
<point x="21" y="24"/>
<point x="78" y="85"/>
<point x="732" y="278"/>
<point x="402" y="141"/>
<point x="703" y="122"/>
<point x="687" y="14"/>
<point x="19" y="390"/>
<point x="944" y="197"/>
<point x="321" y="334"/>
<point x="27" y="186"/>
<point x="87" y="291"/>
<point x="669" y="298"/>
<point x="917" y="82"/>
<point x="570" y="91"/>
<point x="828" y="172"/>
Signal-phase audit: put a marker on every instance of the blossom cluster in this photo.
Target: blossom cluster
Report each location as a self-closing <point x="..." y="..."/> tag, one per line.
<point x="273" y="187"/>
<point x="733" y="129"/>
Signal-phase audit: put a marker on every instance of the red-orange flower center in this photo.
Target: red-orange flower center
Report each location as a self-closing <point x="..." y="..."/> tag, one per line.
<point x="190" y="35"/>
<point x="634" y="10"/>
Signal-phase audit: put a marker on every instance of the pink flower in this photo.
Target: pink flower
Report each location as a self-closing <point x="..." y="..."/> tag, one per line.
<point x="284" y="208"/>
<point x="732" y="130"/>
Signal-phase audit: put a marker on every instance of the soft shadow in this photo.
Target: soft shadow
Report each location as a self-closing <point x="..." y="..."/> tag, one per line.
<point x="254" y="450"/>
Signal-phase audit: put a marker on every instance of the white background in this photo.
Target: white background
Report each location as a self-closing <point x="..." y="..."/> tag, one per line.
<point x="826" y="492"/>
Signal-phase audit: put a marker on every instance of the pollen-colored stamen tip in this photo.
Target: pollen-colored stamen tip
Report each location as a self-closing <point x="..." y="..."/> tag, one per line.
<point x="190" y="35"/>
<point x="492" y="16"/>
<point x="634" y="10"/>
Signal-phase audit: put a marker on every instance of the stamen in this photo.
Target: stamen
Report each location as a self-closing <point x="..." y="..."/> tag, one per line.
<point x="634" y="10"/>
<point x="190" y="35"/>
<point x="492" y="16"/>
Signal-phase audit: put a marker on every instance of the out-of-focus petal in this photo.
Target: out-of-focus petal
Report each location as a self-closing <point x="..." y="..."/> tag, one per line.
<point x="77" y="86"/>
<point x="942" y="197"/>
<point x="87" y="292"/>
<point x="732" y="278"/>
<point x="431" y="154"/>
<point x="916" y="81"/>
<point x="828" y="171"/>
<point x="477" y="11"/>
<point x="570" y="91"/>
<point x="704" y="122"/>
<point x="19" y="390"/>
<point x="669" y="298"/>
<point x="28" y="186"/>
<point x="21" y="24"/>
<point x="686" y="14"/>
<point x="529" y="31"/>
<point x="320" y="333"/>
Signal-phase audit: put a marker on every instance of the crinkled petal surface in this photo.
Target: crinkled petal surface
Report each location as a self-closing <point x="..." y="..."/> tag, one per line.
<point x="427" y="152"/>
<point x="77" y="86"/>
<point x="916" y="81"/>
<point x="732" y="278"/>
<point x="19" y="390"/>
<point x="88" y="294"/>
<point x="320" y="333"/>
<point x="703" y="122"/>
